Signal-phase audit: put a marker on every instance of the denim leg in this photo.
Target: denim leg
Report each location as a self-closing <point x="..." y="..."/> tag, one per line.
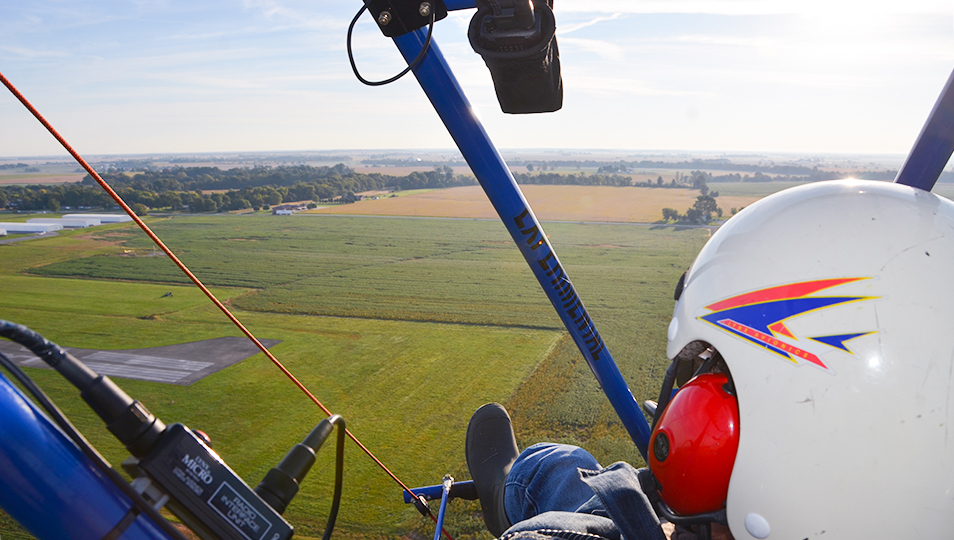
<point x="545" y="478"/>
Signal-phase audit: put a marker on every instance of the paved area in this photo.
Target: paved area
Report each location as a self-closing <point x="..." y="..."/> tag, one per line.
<point x="181" y="364"/>
<point x="25" y="238"/>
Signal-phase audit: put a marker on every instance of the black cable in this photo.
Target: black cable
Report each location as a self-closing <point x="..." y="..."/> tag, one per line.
<point x="84" y="445"/>
<point x="665" y="392"/>
<point x="412" y="65"/>
<point x="339" y="475"/>
<point x="127" y="419"/>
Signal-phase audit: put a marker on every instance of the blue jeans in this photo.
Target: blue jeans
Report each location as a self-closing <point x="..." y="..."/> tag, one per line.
<point x="557" y="487"/>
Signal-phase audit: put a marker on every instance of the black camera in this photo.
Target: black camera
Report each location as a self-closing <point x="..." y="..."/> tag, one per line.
<point x="518" y="43"/>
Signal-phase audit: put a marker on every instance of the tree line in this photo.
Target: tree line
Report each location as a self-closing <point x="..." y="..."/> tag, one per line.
<point x="210" y="189"/>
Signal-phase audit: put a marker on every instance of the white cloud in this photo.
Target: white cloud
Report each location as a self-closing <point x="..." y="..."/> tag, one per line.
<point x="604" y="49"/>
<point x="754" y="7"/>
<point x="572" y="27"/>
<point x="26" y="52"/>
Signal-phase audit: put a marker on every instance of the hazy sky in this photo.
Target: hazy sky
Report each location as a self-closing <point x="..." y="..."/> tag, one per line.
<point x="151" y="76"/>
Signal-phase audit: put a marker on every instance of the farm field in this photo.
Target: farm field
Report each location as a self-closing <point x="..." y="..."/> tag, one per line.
<point x="732" y="190"/>
<point x="40" y="178"/>
<point x="403" y="326"/>
<point x="750" y="189"/>
<point x="550" y="203"/>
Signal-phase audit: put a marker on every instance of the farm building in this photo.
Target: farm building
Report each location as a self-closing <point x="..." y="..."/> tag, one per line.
<point x="288" y="209"/>
<point x="75" y="223"/>
<point x="29" y="228"/>
<point x="104" y="218"/>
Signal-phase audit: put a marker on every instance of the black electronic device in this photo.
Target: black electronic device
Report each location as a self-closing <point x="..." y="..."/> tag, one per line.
<point x="517" y="40"/>
<point x="204" y="492"/>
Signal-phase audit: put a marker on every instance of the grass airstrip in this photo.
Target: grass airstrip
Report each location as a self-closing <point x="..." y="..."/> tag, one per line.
<point x="404" y="326"/>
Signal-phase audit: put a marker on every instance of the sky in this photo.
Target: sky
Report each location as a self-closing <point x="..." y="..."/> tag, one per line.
<point x="171" y="76"/>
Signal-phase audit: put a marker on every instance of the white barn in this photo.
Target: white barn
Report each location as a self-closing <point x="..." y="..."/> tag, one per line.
<point x="104" y="218"/>
<point x="75" y="223"/>
<point x="30" y="228"/>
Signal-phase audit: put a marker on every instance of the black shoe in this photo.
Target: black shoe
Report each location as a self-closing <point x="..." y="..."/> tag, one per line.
<point x="491" y="450"/>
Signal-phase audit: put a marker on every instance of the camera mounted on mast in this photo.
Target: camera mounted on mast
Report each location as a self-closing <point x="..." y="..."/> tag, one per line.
<point x="517" y="41"/>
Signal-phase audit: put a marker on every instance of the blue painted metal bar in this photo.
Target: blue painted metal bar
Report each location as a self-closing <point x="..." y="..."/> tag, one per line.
<point x="934" y="144"/>
<point x="463" y="490"/>
<point x="453" y="5"/>
<point x="49" y="486"/>
<point x="445" y="497"/>
<point x="491" y="171"/>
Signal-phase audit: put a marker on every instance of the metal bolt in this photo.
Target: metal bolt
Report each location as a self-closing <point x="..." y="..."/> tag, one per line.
<point x="384" y="18"/>
<point x="425" y="9"/>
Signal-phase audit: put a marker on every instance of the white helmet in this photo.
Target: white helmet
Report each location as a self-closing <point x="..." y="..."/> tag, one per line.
<point x="832" y="305"/>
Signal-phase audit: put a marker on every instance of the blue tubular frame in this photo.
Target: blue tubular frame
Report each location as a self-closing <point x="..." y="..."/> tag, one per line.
<point x="934" y="144"/>
<point x="491" y="171"/>
<point x="50" y="487"/>
<point x="453" y="5"/>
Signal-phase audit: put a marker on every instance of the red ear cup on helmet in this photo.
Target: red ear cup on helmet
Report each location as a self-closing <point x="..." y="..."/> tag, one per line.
<point x="692" y="449"/>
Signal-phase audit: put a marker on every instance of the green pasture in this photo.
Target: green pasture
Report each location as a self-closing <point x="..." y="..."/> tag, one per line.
<point x="762" y="189"/>
<point x="751" y="189"/>
<point x="402" y="326"/>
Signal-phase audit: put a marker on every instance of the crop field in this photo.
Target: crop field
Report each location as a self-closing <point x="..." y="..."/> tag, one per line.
<point x="403" y="326"/>
<point x="550" y="203"/>
<point x="750" y="189"/>
<point x="40" y="178"/>
<point x="757" y="190"/>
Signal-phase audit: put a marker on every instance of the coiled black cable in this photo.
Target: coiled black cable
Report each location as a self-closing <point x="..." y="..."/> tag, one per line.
<point x="412" y="65"/>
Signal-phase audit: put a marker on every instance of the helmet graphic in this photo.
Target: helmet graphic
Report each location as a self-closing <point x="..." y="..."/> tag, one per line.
<point x="831" y="306"/>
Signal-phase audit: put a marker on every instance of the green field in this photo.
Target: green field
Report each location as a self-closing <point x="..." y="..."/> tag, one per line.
<point x="751" y="189"/>
<point x="761" y="189"/>
<point x="402" y="326"/>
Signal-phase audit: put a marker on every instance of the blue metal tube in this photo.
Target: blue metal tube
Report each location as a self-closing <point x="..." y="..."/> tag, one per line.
<point x="445" y="497"/>
<point x="453" y="5"/>
<point x="428" y="492"/>
<point x="934" y="144"/>
<point x="49" y="486"/>
<point x="491" y="171"/>
<point x="464" y="490"/>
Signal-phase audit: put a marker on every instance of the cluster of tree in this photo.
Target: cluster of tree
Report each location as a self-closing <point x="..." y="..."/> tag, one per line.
<point x="52" y="197"/>
<point x="769" y="172"/>
<point x="704" y="210"/>
<point x="235" y="189"/>
<point x="581" y="179"/>
<point x="544" y="165"/>
<point x="814" y="175"/>
<point x="6" y="166"/>
<point x="385" y="161"/>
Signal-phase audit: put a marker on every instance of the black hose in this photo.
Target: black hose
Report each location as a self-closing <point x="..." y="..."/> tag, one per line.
<point x="339" y="475"/>
<point x="74" y="435"/>
<point x="665" y="393"/>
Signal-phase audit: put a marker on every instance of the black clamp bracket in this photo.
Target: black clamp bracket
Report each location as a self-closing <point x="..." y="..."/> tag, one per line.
<point x="399" y="17"/>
